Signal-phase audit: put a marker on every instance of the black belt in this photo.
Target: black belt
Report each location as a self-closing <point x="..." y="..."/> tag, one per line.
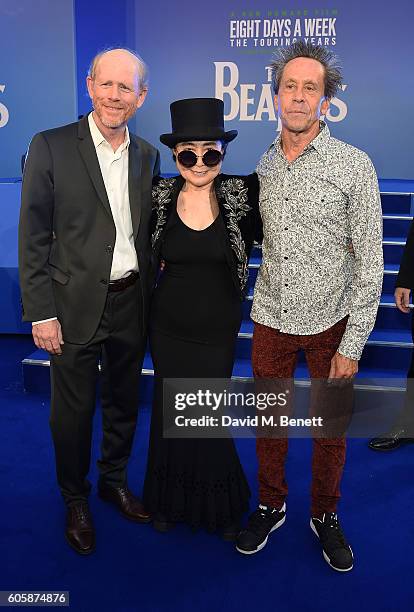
<point x="123" y="283"/>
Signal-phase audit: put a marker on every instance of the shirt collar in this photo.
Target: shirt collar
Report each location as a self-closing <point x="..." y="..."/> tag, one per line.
<point x="319" y="143"/>
<point x="321" y="140"/>
<point x="98" y="138"/>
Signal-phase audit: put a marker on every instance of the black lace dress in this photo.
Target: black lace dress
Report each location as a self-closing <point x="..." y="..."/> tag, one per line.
<point x="196" y="315"/>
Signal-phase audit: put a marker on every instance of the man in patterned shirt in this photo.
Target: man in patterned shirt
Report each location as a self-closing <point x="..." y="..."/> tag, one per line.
<point x="320" y="280"/>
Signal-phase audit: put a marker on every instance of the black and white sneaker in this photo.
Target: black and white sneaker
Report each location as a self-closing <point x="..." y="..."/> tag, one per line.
<point x="336" y="551"/>
<point x="260" y="524"/>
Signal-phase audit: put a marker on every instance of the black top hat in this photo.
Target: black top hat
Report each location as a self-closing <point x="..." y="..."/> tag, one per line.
<point x="197" y="119"/>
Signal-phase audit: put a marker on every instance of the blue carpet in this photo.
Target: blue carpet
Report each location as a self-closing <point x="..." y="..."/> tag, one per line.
<point x="135" y="568"/>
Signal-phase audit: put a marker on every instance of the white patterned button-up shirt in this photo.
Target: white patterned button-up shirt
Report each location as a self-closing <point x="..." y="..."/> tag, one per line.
<point x="322" y="245"/>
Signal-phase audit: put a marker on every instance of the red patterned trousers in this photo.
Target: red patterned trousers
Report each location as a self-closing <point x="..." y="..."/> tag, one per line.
<point x="274" y="355"/>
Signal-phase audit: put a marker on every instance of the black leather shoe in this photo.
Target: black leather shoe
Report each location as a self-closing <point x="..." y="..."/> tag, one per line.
<point x="390" y="441"/>
<point x="129" y="505"/>
<point x="79" y="532"/>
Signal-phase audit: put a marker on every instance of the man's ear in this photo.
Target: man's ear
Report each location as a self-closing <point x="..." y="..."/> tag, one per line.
<point x="89" y="85"/>
<point x="141" y="98"/>
<point x="325" y="106"/>
<point x="276" y="102"/>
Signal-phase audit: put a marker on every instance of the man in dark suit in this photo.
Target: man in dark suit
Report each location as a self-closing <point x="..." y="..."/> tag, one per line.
<point x="402" y="432"/>
<point x="84" y="272"/>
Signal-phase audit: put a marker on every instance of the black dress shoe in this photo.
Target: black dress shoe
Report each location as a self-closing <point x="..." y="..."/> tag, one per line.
<point x="129" y="505"/>
<point x="390" y="441"/>
<point x="79" y="532"/>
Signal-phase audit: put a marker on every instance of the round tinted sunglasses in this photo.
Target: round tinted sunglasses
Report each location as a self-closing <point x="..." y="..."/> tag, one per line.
<point x="210" y="158"/>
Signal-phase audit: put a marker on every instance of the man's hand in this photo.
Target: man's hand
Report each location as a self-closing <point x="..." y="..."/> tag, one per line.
<point x="342" y="367"/>
<point x="48" y="336"/>
<point x="402" y="299"/>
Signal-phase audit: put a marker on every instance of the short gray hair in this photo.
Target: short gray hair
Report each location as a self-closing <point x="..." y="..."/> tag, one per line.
<point x="142" y="68"/>
<point x="330" y="62"/>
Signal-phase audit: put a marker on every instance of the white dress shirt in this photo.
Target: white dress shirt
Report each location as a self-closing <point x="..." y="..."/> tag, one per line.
<point x="114" y="169"/>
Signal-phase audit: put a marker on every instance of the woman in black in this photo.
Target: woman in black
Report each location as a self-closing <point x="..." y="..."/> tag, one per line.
<point x="203" y="227"/>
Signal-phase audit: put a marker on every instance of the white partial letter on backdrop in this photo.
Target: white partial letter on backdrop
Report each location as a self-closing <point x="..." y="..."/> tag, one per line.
<point x="4" y="111"/>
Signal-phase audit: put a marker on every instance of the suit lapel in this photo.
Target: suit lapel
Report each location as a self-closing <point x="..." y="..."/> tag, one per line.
<point x="134" y="184"/>
<point x="88" y="153"/>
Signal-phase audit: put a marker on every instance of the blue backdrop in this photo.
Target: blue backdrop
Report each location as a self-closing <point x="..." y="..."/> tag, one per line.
<point x="215" y="49"/>
<point x="220" y="49"/>
<point x="37" y="77"/>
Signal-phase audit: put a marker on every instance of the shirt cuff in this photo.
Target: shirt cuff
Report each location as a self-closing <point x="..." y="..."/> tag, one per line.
<point x="44" y="321"/>
<point x="349" y="348"/>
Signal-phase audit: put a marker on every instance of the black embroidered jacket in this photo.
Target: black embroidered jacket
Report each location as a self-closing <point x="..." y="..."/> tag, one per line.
<point x="238" y="201"/>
